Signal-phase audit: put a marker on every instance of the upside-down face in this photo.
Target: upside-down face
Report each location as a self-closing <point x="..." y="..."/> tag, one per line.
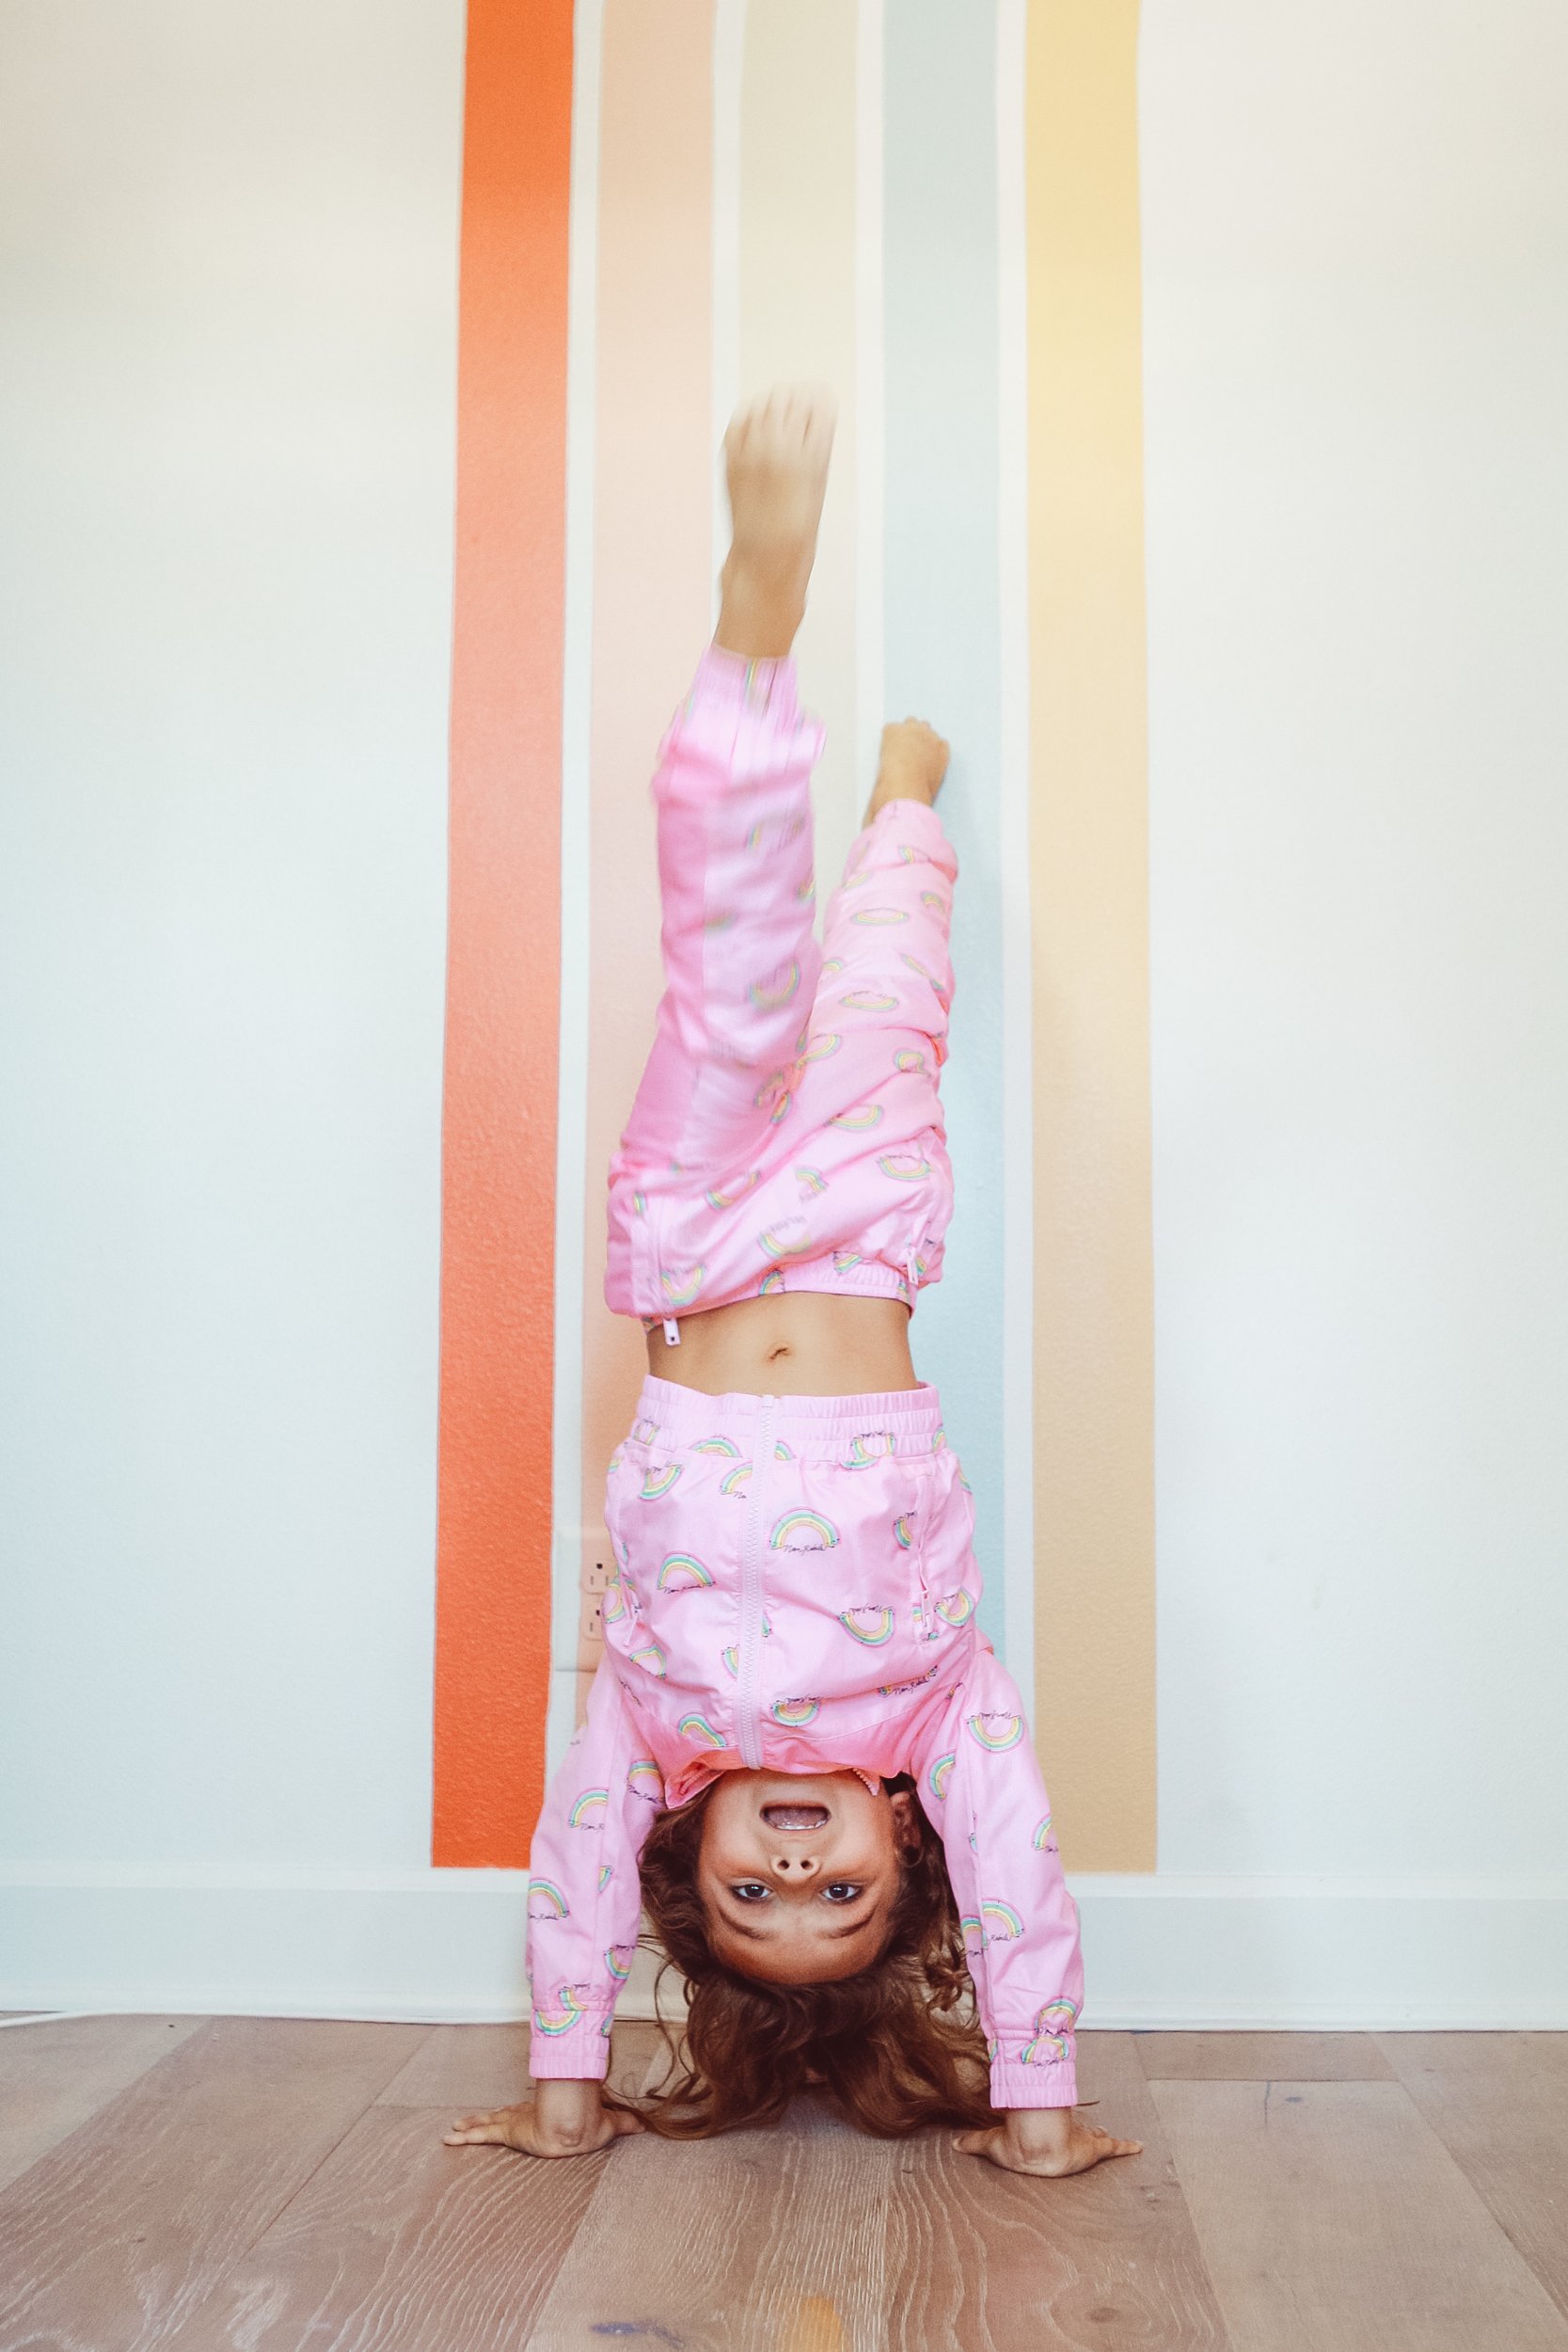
<point x="799" y="1872"/>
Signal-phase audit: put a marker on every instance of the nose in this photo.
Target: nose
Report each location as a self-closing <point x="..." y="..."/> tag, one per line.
<point x="794" y="1869"/>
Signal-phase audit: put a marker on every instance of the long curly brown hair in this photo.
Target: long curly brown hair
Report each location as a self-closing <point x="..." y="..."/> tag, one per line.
<point x="898" y="2042"/>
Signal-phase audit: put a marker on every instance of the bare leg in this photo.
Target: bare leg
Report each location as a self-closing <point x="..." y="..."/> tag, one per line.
<point x="776" y="454"/>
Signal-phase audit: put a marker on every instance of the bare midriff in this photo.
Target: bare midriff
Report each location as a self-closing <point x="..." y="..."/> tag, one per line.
<point x="796" y="1344"/>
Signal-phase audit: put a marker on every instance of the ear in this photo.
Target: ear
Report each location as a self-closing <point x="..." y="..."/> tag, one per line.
<point x="908" y="1834"/>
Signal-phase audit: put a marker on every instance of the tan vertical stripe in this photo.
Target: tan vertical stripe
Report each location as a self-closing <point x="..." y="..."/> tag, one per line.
<point x="652" y="556"/>
<point x="1089" y="895"/>
<point x="797" y="320"/>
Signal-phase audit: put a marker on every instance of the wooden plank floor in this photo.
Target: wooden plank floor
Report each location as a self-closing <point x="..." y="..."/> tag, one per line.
<point x="200" y="2184"/>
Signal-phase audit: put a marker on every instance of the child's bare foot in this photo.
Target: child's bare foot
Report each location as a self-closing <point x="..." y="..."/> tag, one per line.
<point x="1051" y="2143"/>
<point x="776" y="456"/>
<point x="912" y="764"/>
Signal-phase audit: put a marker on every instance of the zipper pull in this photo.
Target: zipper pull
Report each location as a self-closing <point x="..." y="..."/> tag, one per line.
<point x="671" y="1332"/>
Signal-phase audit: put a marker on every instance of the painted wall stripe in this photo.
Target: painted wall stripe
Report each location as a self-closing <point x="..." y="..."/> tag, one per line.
<point x="797" y="319"/>
<point x="943" y="623"/>
<point x="572" y="1204"/>
<point x="1088" y="863"/>
<point x="1012" y="639"/>
<point x="729" y="50"/>
<point x="498" y="1222"/>
<point x="652" y="596"/>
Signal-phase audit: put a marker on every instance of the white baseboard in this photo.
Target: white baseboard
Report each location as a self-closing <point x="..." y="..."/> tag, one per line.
<point x="446" y="1945"/>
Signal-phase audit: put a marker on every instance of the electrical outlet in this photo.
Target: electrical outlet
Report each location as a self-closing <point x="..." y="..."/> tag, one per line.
<point x="597" y="1579"/>
<point x="592" y="1621"/>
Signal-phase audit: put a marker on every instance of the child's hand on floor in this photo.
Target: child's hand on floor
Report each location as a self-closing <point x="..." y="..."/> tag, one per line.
<point x="564" y="2119"/>
<point x="1051" y="2141"/>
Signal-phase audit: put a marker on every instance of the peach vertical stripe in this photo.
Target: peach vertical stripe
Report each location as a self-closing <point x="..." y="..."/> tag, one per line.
<point x="1094" y="1492"/>
<point x="652" y="595"/>
<point x="797" y="319"/>
<point x="493" y="1544"/>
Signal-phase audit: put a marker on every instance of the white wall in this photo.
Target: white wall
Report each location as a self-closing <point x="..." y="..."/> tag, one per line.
<point x="226" y="467"/>
<point x="1356" y="225"/>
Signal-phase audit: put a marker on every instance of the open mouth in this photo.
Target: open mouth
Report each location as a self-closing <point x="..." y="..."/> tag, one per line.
<point x="795" y="1815"/>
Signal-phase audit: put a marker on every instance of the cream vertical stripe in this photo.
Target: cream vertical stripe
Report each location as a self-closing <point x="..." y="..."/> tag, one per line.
<point x="577" y="710"/>
<point x="1089" y="901"/>
<point x="797" y="319"/>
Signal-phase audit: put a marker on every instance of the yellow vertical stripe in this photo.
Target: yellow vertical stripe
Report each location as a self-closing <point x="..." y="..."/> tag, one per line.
<point x="1089" y="858"/>
<point x="797" y="319"/>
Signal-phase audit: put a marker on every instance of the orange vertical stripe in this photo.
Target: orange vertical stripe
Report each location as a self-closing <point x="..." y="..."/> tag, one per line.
<point x="499" y="1138"/>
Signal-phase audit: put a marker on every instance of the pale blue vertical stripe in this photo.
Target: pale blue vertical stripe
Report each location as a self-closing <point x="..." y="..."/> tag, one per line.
<point x="940" y="607"/>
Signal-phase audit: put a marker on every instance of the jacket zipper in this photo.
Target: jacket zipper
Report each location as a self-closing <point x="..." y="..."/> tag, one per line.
<point x="749" y="1712"/>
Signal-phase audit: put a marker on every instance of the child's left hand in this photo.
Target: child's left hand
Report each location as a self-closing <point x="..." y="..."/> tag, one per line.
<point x="1050" y="2141"/>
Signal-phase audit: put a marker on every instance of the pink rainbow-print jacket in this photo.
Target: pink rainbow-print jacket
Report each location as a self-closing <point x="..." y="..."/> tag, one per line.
<point x="795" y="1589"/>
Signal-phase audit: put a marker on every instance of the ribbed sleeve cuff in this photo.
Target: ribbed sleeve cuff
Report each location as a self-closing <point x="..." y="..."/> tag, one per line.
<point x="576" y="2053"/>
<point x="1053" y="2085"/>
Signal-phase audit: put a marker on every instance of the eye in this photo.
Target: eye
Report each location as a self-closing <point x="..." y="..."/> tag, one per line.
<point x="844" y="1891"/>
<point x="749" y="1891"/>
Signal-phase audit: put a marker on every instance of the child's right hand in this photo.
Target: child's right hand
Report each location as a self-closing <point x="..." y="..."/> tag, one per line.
<point x="564" y="2119"/>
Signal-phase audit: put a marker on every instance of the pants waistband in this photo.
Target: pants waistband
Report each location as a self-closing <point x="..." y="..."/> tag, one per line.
<point x="887" y="1420"/>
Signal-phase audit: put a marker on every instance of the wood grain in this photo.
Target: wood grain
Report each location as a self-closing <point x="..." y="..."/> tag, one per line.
<point x="1498" y="2102"/>
<point x="399" y="2243"/>
<point x="55" y="2076"/>
<point x="1261" y="2057"/>
<point x="467" y="2067"/>
<point x="110" y="2240"/>
<point x="981" y="2260"/>
<point x="739" y="2243"/>
<point x="1334" y="2221"/>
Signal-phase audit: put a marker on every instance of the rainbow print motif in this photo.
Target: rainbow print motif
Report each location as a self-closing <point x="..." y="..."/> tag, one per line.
<point x="879" y="915"/>
<point x="795" y="1712"/>
<point x="870" y="1446"/>
<point x="958" y="1608"/>
<point x="657" y="1483"/>
<point x="590" y="1809"/>
<point x="772" y="1281"/>
<point x="786" y="1240"/>
<point x="681" y="1571"/>
<point x="1053" y="2039"/>
<point x="606" y="1874"/>
<point x="874" y="1627"/>
<point x="651" y="1658"/>
<point x="618" y="1959"/>
<point x="546" y="1900"/>
<point x="715" y="1445"/>
<point x="846" y="1260"/>
<point x="682" y="1290"/>
<point x="901" y="1533"/>
<point x="645" y="1780"/>
<point x="732" y="1193"/>
<point x="821" y="1047"/>
<point x="1042" y="1839"/>
<point x="911" y="1061"/>
<point x="996" y="1732"/>
<point x="768" y="996"/>
<point x="698" y="1728"/>
<point x="905" y="1168"/>
<point x="569" y="2012"/>
<point x="812" y="1182"/>
<point x="869" y="1000"/>
<point x="803" y="1531"/>
<point x="940" y="1775"/>
<point x="1003" y="1924"/>
<point x="860" y="1120"/>
<point x="973" y="1933"/>
<point x="736" y="1482"/>
<point x="934" y="899"/>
